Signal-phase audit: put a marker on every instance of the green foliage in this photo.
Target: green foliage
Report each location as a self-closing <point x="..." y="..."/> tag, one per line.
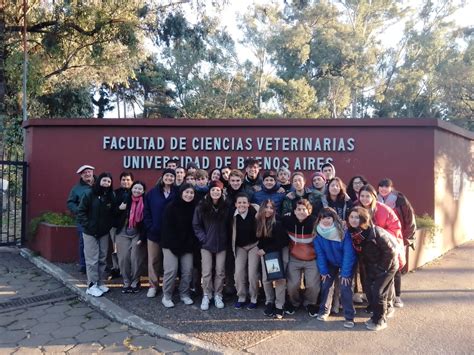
<point x="427" y="222"/>
<point x="58" y="219"/>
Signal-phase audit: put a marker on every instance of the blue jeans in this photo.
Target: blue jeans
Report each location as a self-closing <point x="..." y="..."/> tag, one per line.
<point x="82" y="259"/>
<point x="346" y="295"/>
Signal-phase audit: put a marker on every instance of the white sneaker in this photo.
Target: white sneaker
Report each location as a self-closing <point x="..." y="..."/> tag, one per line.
<point x="357" y="298"/>
<point x="397" y="302"/>
<point x="218" y="301"/>
<point x="167" y="303"/>
<point x="94" y="291"/>
<point x="187" y="300"/>
<point x="205" y="303"/>
<point x="151" y="292"/>
<point x="103" y="288"/>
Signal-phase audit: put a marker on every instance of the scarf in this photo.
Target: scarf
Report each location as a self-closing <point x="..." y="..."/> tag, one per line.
<point x="357" y="239"/>
<point x="136" y="212"/>
<point x="330" y="233"/>
<point x="390" y="200"/>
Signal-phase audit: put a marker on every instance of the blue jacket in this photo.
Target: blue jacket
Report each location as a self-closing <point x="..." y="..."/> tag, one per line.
<point x="272" y="194"/>
<point x="155" y="203"/>
<point x="340" y="254"/>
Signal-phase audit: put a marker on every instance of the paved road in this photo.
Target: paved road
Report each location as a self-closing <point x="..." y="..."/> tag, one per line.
<point x="39" y="315"/>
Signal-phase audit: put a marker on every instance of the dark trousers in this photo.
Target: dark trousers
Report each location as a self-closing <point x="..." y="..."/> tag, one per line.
<point x="346" y="295"/>
<point x="82" y="259"/>
<point x="377" y="291"/>
<point x="397" y="279"/>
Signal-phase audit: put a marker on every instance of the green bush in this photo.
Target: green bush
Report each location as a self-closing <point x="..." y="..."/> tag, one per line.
<point x="427" y="222"/>
<point x="58" y="219"/>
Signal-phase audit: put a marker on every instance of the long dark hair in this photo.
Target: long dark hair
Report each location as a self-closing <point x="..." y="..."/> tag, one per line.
<point x="350" y="187"/>
<point x="371" y="190"/>
<point x="330" y="212"/>
<point x="342" y="194"/>
<point x="365" y="220"/>
<point x="209" y="209"/>
<point x="264" y="224"/>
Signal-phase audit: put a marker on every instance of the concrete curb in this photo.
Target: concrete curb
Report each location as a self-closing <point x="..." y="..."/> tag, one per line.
<point x="118" y="313"/>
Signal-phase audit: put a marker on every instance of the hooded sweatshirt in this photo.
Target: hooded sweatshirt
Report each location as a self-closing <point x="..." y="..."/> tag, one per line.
<point x="269" y="194"/>
<point x="301" y="237"/>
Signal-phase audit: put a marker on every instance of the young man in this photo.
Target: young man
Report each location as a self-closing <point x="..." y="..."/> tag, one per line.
<point x="85" y="183"/>
<point x="283" y="177"/>
<point x="172" y="164"/>
<point x="300" y="192"/>
<point x="404" y="211"/>
<point x="270" y="190"/>
<point x="202" y="187"/>
<point x="252" y="174"/>
<point x="122" y="194"/>
<point x="328" y="170"/>
<point x="318" y="182"/>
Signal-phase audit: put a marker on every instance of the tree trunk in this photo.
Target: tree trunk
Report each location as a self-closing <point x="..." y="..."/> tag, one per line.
<point x="3" y="113"/>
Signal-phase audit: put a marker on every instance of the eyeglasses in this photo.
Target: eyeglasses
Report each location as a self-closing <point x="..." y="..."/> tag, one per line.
<point x="358" y="183"/>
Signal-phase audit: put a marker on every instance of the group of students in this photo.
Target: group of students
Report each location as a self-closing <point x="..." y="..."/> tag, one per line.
<point x="215" y="232"/>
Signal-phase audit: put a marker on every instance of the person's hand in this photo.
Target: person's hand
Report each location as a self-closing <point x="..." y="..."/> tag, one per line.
<point x="261" y="252"/>
<point x="346" y="281"/>
<point x="281" y="190"/>
<point x="290" y="195"/>
<point x="123" y="206"/>
<point x="325" y="277"/>
<point x="256" y="188"/>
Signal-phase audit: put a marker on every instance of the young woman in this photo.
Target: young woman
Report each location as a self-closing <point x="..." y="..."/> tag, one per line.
<point x="354" y="185"/>
<point x="210" y="227"/>
<point x="155" y="202"/>
<point x="178" y="241"/>
<point x="244" y="247"/>
<point x="225" y="172"/>
<point x="130" y="238"/>
<point x="95" y="215"/>
<point x="272" y="237"/>
<point x="299" y="227"/>
<point x="336" y="197"/>
<point x="379" y="257"/>
<point x="215" y="174"/>
<point x="336" y="257"/>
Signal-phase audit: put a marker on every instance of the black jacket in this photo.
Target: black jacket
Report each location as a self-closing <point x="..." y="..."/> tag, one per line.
<point x="96" y="213"/>
<point x="276" y="241"/>
<point x="378" y="251"/>
<point x="177" y="233"/>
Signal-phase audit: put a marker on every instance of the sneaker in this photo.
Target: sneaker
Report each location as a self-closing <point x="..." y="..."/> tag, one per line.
<point x="251" y="306"/>
<point x="114" y="274"/>
<point x="349" y="324"/>
<point x="269" y="310"/>
<point x="377" y="326"/>
<point x="390" y="312"/>
<point x="205" y="303"/>
<point x="218" y="301"/>
<point x="103" y="288"/>
<point x="369" y="321"/>
<point x="239" y="305"/>
<point x="397" y="302"/>
<point x="357" y="298"/>
<point x="151" y="292"/>
<point x="289" y="309"/>
<point x="279" y="313"/>
<point x="126" y="289"/>
<point x="135" y="289"/>
<point x="167" y="302"/>
<point x="187" y="300"/>
<point x="322" y="317"/>
<point x="312" y="310"/>
<point x="94" y="290"/>
<point x="335" y="310"/>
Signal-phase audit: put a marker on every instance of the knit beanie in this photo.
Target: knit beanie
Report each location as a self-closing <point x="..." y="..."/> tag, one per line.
<point x="318" y="173"/>
<point x="169" y="171"/>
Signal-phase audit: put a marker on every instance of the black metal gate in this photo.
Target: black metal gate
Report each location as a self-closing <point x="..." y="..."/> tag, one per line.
<point x="12" y="201"/>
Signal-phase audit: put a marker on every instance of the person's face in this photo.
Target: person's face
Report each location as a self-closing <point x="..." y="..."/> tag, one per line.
<point x="318" y="182"/>
<point x="201" y="182"/>
<point x="327" y="171"/>
<point x="301" y="212"/>
<point x="216" y="175"/>
<point x="365" y="198"/>
<point x="298" y="183"/>
<point x="235" y="182"/>
<point x="188" y="195"/>
<point x="215" y="193"/>
<point x="190" y="179"/>
<point x="283" y="177"/>
<point x="385" y="190"/>
<point x="138" y="190"/>
<point x="354" y="219"/>
<point x="171" y="165"/>
<point x="105" y="182"/>
<point x="180" y="173"/>
<point x="242" y="204"/>
<point x="253" y="170"/>
<point x="225" y="173"/>
<point x="269" y="211"/>
<point x="126" y="182"/>
<point x="269" y="182"/>
<point x="334" y="188"/>
<point x="168" y="179"/>
<point x="326" y="221"/>
<point x="357" y="184"/>
<point x="87" y="176"/>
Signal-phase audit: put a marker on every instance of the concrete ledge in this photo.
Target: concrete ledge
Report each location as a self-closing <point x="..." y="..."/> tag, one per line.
<point x="117" y="313"/>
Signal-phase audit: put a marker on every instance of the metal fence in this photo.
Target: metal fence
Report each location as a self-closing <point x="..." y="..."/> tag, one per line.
<point x="13" y="172"/>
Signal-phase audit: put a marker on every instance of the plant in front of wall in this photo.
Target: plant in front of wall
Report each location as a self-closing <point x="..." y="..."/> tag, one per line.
<point x="428" y="224"/>
<point x="54" y="218"/>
